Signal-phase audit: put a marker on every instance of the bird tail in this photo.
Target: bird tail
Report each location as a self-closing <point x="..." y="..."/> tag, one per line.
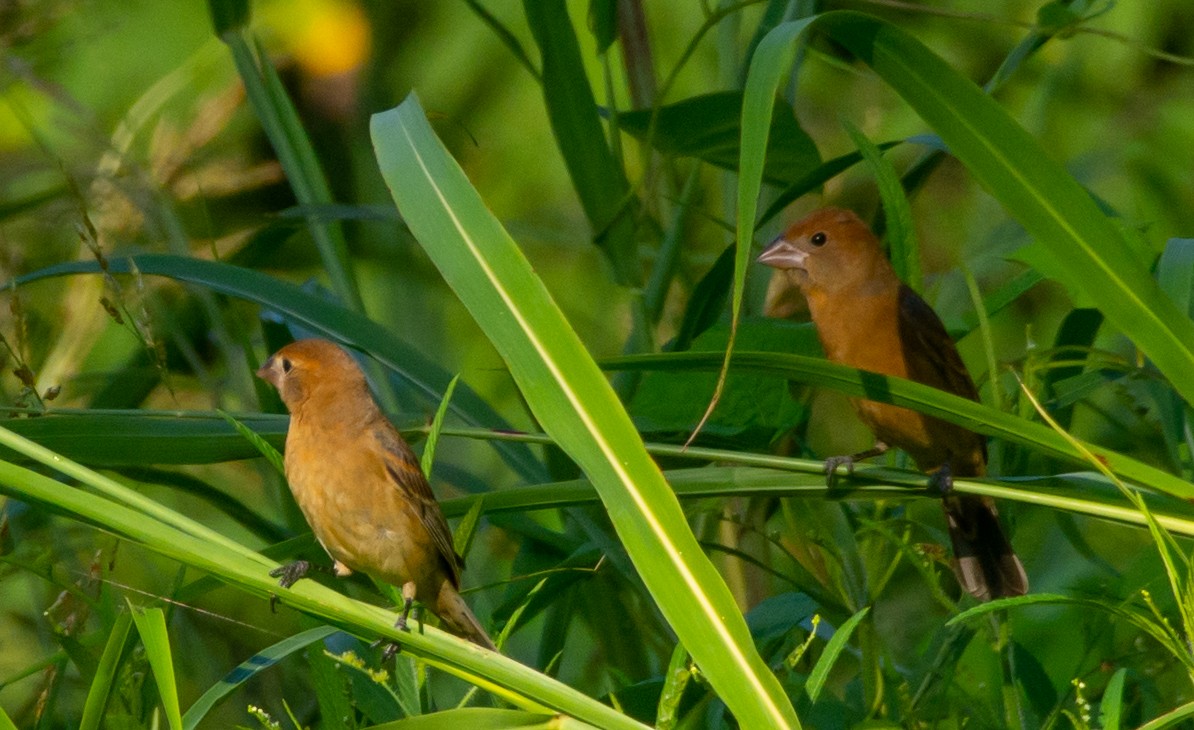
<point x="984" y="561"/>
<point x="455" y="614"/>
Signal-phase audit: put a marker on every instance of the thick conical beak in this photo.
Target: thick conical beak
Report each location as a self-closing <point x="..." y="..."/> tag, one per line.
<point x="782" y="254"/>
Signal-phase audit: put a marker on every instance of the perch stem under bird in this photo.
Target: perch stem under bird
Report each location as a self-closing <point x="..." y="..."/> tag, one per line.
<point x="361" y="488"/>
<point x="868" y="319"/>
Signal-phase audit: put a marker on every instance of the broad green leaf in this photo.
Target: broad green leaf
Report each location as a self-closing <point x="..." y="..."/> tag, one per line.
<point x="326" y="319"/>
<point x="151" y="625"/>
<point x="756" y="404"/>
<point x="570" y="397"/>
<point x="708" y="127"/>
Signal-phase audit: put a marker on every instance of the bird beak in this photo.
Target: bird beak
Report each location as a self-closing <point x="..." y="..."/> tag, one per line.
<point x="266" y="371"/>
<point x="782" y="254"/>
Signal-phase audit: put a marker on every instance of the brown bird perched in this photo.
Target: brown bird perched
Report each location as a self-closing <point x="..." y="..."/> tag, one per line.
<point x="361" y="487"/>
<point x="868" y="319"/>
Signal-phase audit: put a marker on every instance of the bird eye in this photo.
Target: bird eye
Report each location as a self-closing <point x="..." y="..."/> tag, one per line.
<point x="818" y="239"/>
<point x="286" y="365"/>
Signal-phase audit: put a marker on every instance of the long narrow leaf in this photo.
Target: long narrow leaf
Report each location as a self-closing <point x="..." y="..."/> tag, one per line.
<point x="500" y="675"/>
<point x="105" y="673"/>
<point x="248" y="669"/>
<point x="833" y="650"/>
<point x="922" y="398"/>
<point x="151" y="625"/>
<point x="569" y="395"/>
<point x="325" y="318"/>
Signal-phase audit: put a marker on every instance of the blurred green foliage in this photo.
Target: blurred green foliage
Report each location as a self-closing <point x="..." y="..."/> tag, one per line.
<point x="126" y="129"/>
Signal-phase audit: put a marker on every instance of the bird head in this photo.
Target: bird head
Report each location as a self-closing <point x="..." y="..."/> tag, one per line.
<point x="306" y="367"/>
<point x="828" y="250"/>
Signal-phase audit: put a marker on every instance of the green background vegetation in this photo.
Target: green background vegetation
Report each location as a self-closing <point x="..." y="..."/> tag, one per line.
<point x="181" y="196"/>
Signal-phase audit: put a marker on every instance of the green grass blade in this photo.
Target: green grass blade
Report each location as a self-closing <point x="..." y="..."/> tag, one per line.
<point x="265" y="448"/>
<point x="675" y="681"/>
<point x="571" y="398"/>
<point x="324" y="318"/>
<point x="901" y="236"/>
<point x="921" y="398"/>
<point x="499" y="675"/>
<point x="105" y="674"/>
<point x="282" y="126"/>
<point x="1171" y="718"/>
<point x="151" y="625"/>
<point x="484" y="718"/>
<point x="596" y="173"/>
<point x="1111" y="707"/>
<point x="250" y="668"/>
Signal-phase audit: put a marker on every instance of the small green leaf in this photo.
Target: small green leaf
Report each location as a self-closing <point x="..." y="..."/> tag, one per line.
<point x="820" y="673"/>
<point x="437" y="423"/>
<point x="272" y="455"/>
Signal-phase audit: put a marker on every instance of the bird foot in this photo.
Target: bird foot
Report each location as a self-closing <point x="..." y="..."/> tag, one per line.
<point x="831" y="467"/>
<point x="392" y="648"/>
<point x="833" y="462"/>
<point x="941" y="482"/>
<point x="291" y="573"/>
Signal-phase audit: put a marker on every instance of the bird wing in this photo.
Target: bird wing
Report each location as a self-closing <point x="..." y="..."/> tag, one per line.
<point x="406" y="474"/>
<point x="922" y="332"/>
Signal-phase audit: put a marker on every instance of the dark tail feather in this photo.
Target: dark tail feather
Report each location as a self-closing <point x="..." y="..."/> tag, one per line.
<point x="986" y="566"/>
<point x="455" y="614"/>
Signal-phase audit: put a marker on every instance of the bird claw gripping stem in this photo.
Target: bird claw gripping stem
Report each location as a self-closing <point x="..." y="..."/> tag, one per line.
<point x="941" y="482"/>
<point x="288" y="575"/>
<point x="393" y="648"/>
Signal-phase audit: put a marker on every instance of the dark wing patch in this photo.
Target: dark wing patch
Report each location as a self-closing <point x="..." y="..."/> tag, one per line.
<point x="921" y="331"/>
<point x="407" y="476"/>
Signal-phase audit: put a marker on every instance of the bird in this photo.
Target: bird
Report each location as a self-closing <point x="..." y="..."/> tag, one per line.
<point x="361" y="488"/>
<point x="868" y="319"/>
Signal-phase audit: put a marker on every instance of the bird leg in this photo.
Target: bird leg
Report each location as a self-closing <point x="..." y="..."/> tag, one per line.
<point x="941" y="482"/>
<point x="408" y="599"/>
<point x="833" y="462"/>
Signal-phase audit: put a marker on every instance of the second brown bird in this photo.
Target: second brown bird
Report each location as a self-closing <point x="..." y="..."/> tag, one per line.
<point x="868" y="319"/>
<point x="361" y="487"/>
